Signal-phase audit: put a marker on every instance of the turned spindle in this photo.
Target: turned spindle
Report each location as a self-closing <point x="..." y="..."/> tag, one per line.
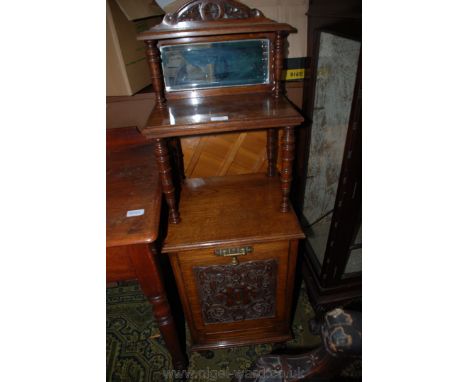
<point x="165" y="172"/>
<point x="154" y="61"/>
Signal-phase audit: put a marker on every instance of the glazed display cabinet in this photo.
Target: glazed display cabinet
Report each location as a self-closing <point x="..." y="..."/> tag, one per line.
<point x="328" y="191"/>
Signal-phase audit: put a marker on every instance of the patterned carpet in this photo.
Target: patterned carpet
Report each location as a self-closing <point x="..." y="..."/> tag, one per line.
<point x="136" y="352"/>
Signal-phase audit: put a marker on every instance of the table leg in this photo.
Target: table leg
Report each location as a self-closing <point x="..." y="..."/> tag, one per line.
<point x="150" y="279"/>
<point x="287" y="146"/>
<point x="272" y="150"/>
<point x="165" y="172"/>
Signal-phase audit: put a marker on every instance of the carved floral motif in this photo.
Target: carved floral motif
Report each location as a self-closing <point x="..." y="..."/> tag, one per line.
<point x="231" y="293"/>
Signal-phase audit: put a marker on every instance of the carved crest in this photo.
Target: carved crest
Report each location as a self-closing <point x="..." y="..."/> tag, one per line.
<point x="211" y="10"/>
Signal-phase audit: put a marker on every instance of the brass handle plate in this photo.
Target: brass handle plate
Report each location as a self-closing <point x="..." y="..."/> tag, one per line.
<point x="240" y="251"/>
<point x="234" y="252"/>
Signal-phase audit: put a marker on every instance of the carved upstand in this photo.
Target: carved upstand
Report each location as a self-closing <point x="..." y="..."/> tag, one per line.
<point x="216" y="67"/>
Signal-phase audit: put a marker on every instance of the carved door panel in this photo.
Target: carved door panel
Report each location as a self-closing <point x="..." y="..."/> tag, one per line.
<point x="221" y="296"/>
<point x="230" y="293"/>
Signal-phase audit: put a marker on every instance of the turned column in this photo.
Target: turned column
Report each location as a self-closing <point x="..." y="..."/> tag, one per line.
<point x="154" y="61"/>
<point x="287" y="146"/>
<point x="151" y="282"/>
<point x="272" y="150"/>
<point x="278" y="63"/>
<point x="164" y="167"/>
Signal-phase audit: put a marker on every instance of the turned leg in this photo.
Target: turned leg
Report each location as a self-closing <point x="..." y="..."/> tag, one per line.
<point x="287" y="146"/>
<point x="150" y="279"/>
<point x="164" y="168"/>
<point x="278" y="63"/>
<point x="272" y="150"/>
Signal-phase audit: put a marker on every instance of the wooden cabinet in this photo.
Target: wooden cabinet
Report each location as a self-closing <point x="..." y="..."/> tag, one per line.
<point x="234" y="259"/>
<point x="236" y="304"/>
<point x="232" y="240"/>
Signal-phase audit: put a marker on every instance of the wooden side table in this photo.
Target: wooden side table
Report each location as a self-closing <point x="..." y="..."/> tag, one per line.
<point x="133" y="210"/>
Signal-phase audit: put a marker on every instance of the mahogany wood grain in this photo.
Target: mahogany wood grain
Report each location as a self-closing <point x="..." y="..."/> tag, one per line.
<point x="231" y="209"/>
<point x="194" y="116"/>
<point x="126" y="136"/>
<point x="118" y="265"/>
<point x="286" y="171"/>
<point x="133" y="184"/>
<point x="164" y="167"/>
<point x="272" y="151"/>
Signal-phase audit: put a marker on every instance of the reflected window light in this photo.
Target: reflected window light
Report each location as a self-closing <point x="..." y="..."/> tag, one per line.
<point x="195" y="101"/>
<point x="197" y="118"/>
<point x="171" y="117"/>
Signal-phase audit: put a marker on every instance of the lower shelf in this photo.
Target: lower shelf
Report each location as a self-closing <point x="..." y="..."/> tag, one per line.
<point x="238" y="208"/>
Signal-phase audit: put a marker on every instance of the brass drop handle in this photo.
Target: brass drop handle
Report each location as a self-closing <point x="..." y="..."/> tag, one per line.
<point x="234" y="252"/>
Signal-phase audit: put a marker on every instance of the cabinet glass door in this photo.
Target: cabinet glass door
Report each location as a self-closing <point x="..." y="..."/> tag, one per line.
<point x="329" y="149"/>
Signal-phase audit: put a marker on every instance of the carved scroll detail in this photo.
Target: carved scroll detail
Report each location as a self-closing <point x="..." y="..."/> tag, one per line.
<point x="211" y="10"/>
<point x="230" y="293"/>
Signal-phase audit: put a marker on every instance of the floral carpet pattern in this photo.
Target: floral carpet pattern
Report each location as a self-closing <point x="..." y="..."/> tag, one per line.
<point x="135" y="351"/>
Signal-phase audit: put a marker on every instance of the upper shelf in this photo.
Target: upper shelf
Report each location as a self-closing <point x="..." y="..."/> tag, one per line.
<point x="213" y="17"/>
<point x="216" y="114"/>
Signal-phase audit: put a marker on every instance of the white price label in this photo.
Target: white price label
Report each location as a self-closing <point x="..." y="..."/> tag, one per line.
<point x="220" y="118"/>
<point x="135" y="213"/>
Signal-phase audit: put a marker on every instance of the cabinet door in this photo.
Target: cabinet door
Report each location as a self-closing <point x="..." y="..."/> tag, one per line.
<point x="220" y="296"/>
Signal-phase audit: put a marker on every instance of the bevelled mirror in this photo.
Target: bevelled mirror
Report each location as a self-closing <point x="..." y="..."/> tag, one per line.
<point x="215" y="64"/>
